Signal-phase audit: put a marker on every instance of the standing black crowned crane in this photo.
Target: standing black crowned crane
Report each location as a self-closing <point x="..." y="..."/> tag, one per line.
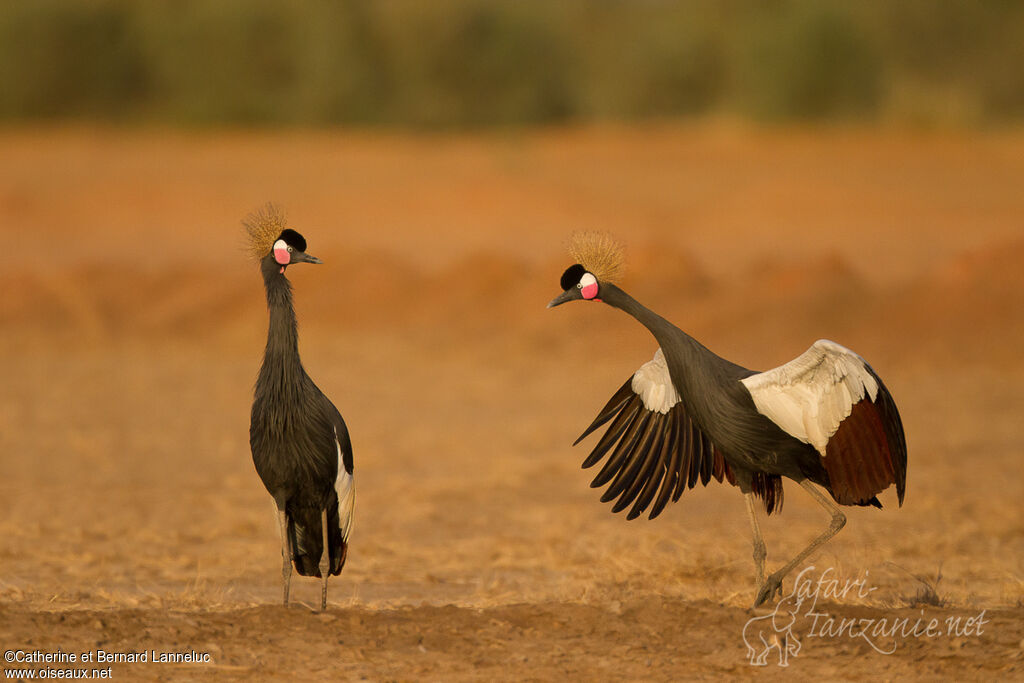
<point x="823" y="419"/>
<point x="299" y="442"/>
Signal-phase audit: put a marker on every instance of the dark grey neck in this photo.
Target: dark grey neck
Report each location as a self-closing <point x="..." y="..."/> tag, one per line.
<point x="700" y="362"/>
<point x="281" y="364"/>
<point x="667" y="334"/>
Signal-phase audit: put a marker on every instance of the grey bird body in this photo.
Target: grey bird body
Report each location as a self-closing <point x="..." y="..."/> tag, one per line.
<point x="688" y="416"/>
<point x="720" y="406"/>
<point x="299" y="441"/>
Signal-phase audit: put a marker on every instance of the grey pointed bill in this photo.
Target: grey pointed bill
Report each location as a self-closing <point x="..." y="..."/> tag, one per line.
<point x="303" y="257"/>
<point x="567" y="295"/>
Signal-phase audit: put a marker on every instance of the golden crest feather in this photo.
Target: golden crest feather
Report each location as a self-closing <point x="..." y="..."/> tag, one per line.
<point x="262" y="227"/>
<point x="600" y="253"/>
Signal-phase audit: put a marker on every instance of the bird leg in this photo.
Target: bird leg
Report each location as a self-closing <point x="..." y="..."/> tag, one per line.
<point x="759" y="549"/>
<point x="286" y="553"/>
<point x="325" y="562"/>
<point x="774" y="582"/>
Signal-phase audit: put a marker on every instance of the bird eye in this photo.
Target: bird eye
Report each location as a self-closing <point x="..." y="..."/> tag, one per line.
<point x="579" y="285"/>
<point x="290" y="249"/>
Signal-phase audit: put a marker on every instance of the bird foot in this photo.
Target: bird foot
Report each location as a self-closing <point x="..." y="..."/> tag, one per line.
<point x="771" y="588"/>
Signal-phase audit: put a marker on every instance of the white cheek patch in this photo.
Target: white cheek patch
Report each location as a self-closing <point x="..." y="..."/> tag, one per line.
<point x="281" y="254"/>
<point x="588" y="286"/>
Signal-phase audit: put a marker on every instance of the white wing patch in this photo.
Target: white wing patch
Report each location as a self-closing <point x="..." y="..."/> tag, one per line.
<point x="345" y="485"/>
<point x="653" y="384"/>
<point x="812" y="394"/>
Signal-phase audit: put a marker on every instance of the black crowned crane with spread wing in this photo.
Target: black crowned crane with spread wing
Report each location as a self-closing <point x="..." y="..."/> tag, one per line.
<point x="300" y="444"/>
<point x="823" y="419"/>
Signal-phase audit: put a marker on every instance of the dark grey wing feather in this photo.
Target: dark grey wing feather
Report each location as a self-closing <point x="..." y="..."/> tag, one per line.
<point x="628" y="412"/>
<point x="653" y="481"/>
<point x="614" y="406"/>
<point x="671" y="470"/>
<point x="626" y="446"/>
<point x="643" y="474"/>
<point x="656" y="450"/>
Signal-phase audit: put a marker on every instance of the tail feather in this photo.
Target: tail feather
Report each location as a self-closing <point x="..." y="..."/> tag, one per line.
<point x="304" y="527"/>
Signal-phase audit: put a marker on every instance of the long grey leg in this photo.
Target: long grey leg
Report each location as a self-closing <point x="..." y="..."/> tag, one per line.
<point x="325" y="561"/>
<point x="774" y="582"/>
<point x="759" y="550"/>
<point x="286" y="553"/>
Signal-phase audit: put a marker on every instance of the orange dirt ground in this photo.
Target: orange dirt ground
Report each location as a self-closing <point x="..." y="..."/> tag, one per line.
<point x="132" y="327"/>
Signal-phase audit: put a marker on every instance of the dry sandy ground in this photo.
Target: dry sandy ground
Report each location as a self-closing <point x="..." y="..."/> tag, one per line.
<point x="131" y="330"/>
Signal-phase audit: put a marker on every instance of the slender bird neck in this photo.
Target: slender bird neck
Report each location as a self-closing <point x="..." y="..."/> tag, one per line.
<point x="663" y="331"/>
<point x="283" y="334"/>
<point x="674" y="342"/>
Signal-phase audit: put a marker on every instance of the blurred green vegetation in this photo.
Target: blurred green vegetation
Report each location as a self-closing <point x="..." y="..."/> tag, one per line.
<point x="459" y="63"/>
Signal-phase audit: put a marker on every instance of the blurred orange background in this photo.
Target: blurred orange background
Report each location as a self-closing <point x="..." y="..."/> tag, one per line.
<point x="132" y="326"/>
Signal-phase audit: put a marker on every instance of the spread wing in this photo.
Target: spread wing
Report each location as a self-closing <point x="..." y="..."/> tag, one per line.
<point x="654" y="449"/>
<point x="830" y="398"/>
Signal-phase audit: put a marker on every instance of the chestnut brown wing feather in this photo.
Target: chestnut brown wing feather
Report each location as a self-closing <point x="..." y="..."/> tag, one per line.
<point x="868" y="453"/>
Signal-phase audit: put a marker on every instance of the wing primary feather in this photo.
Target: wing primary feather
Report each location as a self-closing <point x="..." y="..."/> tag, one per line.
<point x="614" y="405"/>
<point x="627" y="414"/>
<point x="671" y="469"/>
<point x="622" y="451"/>
<point x="654" y="479"/>
<point x="895" y="435"/>
<point x="647" y="471"/>
<point x="652" y="457"/>
<point x="685" y="453"/>
<point x="696" y="453"/>
<point x="706" y="461"/>
<point x="718" y="464"/>
<point x="632" y="466"/>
